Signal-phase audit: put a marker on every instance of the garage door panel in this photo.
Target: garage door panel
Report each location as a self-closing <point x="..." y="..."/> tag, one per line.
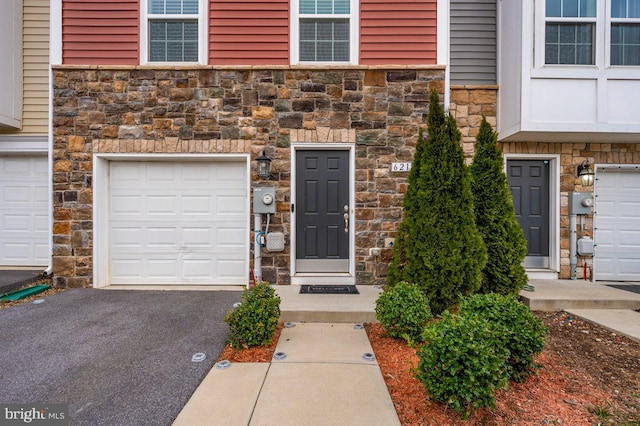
<point x="197" y="237"/>
<point x="190" y="229"/>
<point x="230" y="205"/>
<point x="196" y="204"/>
<point x="617" y="225"/>
<point x="230" y="238"/>
<point x="24" y="211"/>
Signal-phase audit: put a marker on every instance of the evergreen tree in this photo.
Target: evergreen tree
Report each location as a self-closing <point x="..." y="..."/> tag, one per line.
<point x="442" y="251"/>
<point x="496" y="219"/>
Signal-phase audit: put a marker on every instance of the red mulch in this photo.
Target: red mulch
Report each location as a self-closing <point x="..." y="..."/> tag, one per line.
<point x="562" y="391"/>
<point x="253" y="354"/>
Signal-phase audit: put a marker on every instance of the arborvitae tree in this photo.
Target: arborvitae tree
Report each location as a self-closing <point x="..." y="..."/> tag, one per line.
<point x="410" y="205"/>
<point x="496" y="218"/>
<point x="443" y="251"/>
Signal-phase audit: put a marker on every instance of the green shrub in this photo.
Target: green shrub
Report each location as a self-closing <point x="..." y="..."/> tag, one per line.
<point x="463" y="362"/>
<point x="523" y="334"/>
<point x="254" y="322"/>
<point x="404" y="311"/>
<point x="496" y="218"/>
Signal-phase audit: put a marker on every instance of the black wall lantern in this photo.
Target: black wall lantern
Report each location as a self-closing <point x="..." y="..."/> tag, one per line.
<point x="586" y="175"/>
<point x="264" y="166"/>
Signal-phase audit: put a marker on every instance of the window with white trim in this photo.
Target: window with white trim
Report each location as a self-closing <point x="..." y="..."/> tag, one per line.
<point x="591" y="32"/>
<point x="570" y="31"/>
<point x="325" y="30"/>
<point x="625" y="32"/>
<point x="174" y="31"/>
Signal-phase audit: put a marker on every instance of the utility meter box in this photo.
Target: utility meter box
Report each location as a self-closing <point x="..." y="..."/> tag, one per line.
<point x="580" y="202"/>
<point x="264" y="199"/>
<point x="585" y="246"/>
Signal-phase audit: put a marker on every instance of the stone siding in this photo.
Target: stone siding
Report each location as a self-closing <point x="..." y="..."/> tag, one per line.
<point x="204" y="110"/>
<point x="468" y="105"/>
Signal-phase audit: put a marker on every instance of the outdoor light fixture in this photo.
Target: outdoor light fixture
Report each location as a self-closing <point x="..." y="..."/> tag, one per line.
<point x="586" y="175"/>
<point x="264" y="166"/>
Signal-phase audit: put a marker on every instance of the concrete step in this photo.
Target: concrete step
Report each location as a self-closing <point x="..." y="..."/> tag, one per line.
<point x="561" y="295"/>
<point x="328" y="308"/>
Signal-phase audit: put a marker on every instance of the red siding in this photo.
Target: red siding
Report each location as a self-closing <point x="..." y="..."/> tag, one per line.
<point x="398" y="32"/>
<point x="100" y="32"/>
<point x="243" y="32"/>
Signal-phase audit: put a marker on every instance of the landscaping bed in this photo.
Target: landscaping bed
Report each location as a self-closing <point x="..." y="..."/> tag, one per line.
<point x="588" y="375"/>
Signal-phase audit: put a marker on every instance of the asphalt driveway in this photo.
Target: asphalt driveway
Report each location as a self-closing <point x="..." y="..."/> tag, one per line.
<point x="117" y="357"/>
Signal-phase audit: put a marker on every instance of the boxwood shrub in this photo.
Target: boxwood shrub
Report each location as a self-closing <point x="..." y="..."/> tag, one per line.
<point x="255" y="321"/>
<point x="463" y="362"/>
<point x="522" y="333"/>
<point x="403" y="310"/>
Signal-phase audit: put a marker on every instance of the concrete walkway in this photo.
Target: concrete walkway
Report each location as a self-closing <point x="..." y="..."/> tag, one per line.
<point x="325" y="379"/>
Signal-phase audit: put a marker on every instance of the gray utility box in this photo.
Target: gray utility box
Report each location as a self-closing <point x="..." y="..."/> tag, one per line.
<point x="580" y="202"/>
<point x="264" y="199"/>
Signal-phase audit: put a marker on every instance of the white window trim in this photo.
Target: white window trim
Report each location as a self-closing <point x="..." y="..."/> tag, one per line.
<point x="610" y="21"/>
<point x="354" y="34"/>
<point x="203" y="33"/>
<point x="602" y="41"/>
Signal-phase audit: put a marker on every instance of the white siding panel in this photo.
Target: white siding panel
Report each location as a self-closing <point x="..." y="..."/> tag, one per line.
<point x="178" y="223"/>
<point x="617" y="225"/>
<point x="563" y="101"/>
<point x="623" y="101"/>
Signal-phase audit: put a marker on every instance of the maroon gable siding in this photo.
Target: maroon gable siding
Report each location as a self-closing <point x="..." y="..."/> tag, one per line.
<point x="249" y="32"/>
<point x="100" y="32"/>
<point x="398" y="32"/>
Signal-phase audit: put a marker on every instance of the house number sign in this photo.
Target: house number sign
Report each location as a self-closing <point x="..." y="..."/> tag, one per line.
<point x="400" y="167"/>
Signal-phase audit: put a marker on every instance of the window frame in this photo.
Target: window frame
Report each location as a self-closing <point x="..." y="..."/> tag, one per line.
<point x="610" y="21"/>
<point x="201" y="19"/>
<point x="572" y="20"/>
<point x="354" y="33"/>
<point x="602" y="40"/>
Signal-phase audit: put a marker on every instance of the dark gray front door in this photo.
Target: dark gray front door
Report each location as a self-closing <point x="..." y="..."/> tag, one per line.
<point x="322" y="211"/>
<point x="529" y="183"/>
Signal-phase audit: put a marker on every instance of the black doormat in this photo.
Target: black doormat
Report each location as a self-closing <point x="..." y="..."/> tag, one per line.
<point x="328" y="289"/>
<point x="628" y="287"/>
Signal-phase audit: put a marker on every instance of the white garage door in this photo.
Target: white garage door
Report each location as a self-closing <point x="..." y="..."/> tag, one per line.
<point x="617" y="223"/>
<point x="24" y="212"/>
<point x="178" y="223"/>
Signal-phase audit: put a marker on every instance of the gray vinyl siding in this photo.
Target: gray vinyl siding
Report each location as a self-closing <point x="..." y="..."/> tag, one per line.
<point x="473" y="42"/>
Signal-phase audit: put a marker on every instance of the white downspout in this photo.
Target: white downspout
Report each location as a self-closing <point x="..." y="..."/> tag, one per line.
<point x="257" y="247"/>
<point x="55" y="58"/>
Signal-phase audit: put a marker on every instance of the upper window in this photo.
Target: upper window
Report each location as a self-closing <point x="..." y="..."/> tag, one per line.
<point x="592" y="32"/>
<point x="625" y="32"/>
<point x="570" y="31"/>
<point x="325" y="31"/>
<point x="174" y="31"/>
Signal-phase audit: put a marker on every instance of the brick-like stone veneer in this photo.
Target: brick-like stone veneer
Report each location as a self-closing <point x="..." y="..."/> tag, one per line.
<point x="230" y="110"/>
<point x="468" y="104"/>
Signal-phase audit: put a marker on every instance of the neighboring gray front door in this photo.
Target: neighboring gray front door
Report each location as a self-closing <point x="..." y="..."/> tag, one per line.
<point x="529" y="183"/>
<point x="322" y="211"/>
